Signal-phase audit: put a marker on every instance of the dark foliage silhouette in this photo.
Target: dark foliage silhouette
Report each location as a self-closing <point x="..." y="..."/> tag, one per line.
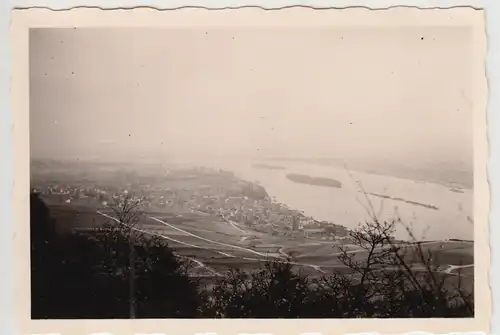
<point x="87" y="276"/>
<point x="275" y="291"/>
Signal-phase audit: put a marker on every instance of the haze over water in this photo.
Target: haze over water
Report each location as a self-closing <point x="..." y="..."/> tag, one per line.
<point x="375" y="95"/>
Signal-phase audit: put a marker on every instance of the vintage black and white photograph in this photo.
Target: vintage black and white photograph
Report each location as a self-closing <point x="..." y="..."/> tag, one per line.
<point x="252" y="172"/>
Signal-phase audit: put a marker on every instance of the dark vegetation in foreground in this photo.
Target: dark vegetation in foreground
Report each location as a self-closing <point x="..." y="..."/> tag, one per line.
<point x="90" y="276"/>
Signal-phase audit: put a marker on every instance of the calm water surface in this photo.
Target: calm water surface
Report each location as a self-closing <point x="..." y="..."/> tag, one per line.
<point x="349" y="206"/>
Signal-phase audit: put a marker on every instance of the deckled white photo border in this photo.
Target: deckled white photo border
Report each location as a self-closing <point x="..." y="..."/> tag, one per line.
<point x="22" y="20"/>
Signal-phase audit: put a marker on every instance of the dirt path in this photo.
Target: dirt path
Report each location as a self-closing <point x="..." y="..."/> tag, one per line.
<point x="283" y="253"/>
<point x="455" y="267"/>
<point x="243" y="239"/>
<point x="231" y="223"/>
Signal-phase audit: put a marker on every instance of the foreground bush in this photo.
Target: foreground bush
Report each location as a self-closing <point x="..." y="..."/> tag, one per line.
<point x="80" y="276"/>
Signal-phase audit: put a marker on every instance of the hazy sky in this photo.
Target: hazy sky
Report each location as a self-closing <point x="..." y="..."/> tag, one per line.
<point x="280" y="92"/>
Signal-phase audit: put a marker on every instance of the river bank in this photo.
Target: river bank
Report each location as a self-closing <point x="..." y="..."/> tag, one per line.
<point x="431" y="211"/>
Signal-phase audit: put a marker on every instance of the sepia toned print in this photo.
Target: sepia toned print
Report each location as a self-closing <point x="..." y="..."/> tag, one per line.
<point x="241" y="167"/>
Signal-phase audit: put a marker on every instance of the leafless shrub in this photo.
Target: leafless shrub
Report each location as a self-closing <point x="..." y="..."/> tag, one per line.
<point x="398" y="274"/>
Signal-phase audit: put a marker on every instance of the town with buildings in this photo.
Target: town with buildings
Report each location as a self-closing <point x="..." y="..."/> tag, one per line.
<point x="200" y="191"/>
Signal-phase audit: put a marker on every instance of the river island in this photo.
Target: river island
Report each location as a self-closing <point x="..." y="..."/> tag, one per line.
<point x="314" y="181"/>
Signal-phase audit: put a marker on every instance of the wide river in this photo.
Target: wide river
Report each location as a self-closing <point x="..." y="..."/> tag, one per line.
<point x="448" y="214"/>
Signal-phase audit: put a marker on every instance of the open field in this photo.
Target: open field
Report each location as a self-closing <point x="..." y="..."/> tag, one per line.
<point x="214" y="246"/>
